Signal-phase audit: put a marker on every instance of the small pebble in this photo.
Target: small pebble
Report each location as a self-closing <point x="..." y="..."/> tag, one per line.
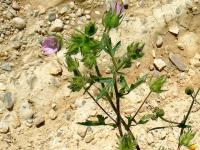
<point x="39" y="121"/>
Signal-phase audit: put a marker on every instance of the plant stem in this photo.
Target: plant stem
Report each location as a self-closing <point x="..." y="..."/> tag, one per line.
<point x="141" y="106"/>
<point x="118" y="105"/>
<point x="187" y="115"/>
<point x="166" y="120"/>
<point x="101" y="107"/>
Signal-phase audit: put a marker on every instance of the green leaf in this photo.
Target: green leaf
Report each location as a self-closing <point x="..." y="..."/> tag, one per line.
<point x="100" y="121"/>
<point x="156" y="85"/>
<point x="126" y="143"/>
<point x="89" y="61"/>
<point x="138" y="82"/>
<point x="159" y="112"/>
<point x="77" y="83"/>
<point x="145" y="119"/>
<point x="72" y="64"/>
<point x="187" y="137"/>
<point x="75" y="43"/>
<point x="134" y="50"/>
<point x="116" y="47"/>
<point x="101" y="93"/>
<point x="90" y="29"/>
<point x="123" y="84"/>
<point x="106" y="43"/>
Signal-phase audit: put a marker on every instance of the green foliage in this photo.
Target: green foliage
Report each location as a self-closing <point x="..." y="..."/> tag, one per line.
<point x="72" y="64"/>
<point x="156" y="85"/>
<point x="126" y="143"/>
<point x="146" y="118"/>
<point x="111" y="20"/>
<point x="159" y="112"/>
<point x="90" y="29"/>
<point x="134" y="50"/>
<point x="125" y="89"/>
<point x="77" y="83"/>
<point x="186" y="138"/>
<point x="100" y="121"/>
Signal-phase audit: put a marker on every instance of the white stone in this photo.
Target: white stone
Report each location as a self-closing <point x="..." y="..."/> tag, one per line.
<point x="174" y="29"/>
<point x="55" y="68"/>
<point x="159" y="64"/>
<point x="52" y="114"/>
<point x="2" y="86"/>
<point x="4" y="128"/>
<point x="19" y="23"/>
<point x="57" y="25"/>
<point x="189" y="43"/>
<point x="159" y="41"/>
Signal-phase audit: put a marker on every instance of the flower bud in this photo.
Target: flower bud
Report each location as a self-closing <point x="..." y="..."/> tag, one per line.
<point x="189" y="91"/>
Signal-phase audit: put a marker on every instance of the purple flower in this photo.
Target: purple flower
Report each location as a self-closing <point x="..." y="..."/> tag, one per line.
<point x="116" y="7"/>
<point x="50" y="45"/>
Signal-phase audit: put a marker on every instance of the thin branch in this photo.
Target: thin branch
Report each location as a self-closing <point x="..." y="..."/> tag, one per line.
<point x="101" y="107"/>
<point x="141" y="106"/>
<point x="169" y="121"/>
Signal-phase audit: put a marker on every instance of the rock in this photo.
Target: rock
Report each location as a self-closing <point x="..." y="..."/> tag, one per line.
<point x="6" y="67"/>
<point x="189" y="43"/>
<point x="52" y="114"/>
<point x="4" y="128"/>
<point x="39" y="121"/>
<point x="14" y="121"/>
<point x="26" y="112"/>
<point x="159" y="41"/>
<point x="195" y="61"/>
<point x="82" y="130"/>
<point x="57" y="25"/>
<point x="89" y="138"/>
<point x="16" y="45"/>
<point x="8" y="100"/>
<point x="72" y="5"/>
<point x="159" y="64"/>
<point x="63" y="10"/>
<point x="1" y="39"/>
<point x="55" y="68"/>
<point x="19" y="23"/>
<point x="52" y="16"/>
<point x="175" y="59"/>
<point x="15" y="5"/>
<point x="79" y="12"/>
<point x="174" y="29"/>
<point x="2" y="86"/>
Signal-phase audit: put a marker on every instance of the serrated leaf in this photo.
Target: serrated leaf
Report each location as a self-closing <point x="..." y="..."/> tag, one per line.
<point x="145" y="119"/>
<point x="123" y="84"/>
<point x="106" y="43"/>
<point x="134" y="50"/>
<point x="89" y="61"/>
<point x="126" y="143"/>
<point x="116" y="47"/>
<point x="138" y="82"/>
<point x="187" y="137"/>
<point x="72" y="64"/>
<point x="77" y="83"/>
<point x="156" y="85"/>
<point x="101" y="93"/>
<point x="100" y="121"/>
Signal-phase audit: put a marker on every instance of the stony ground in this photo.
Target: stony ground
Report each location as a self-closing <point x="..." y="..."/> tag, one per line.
<point x="38" y="111"/>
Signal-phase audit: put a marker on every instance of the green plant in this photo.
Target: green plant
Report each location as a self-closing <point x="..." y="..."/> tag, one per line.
<point x="113" y="86"/>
